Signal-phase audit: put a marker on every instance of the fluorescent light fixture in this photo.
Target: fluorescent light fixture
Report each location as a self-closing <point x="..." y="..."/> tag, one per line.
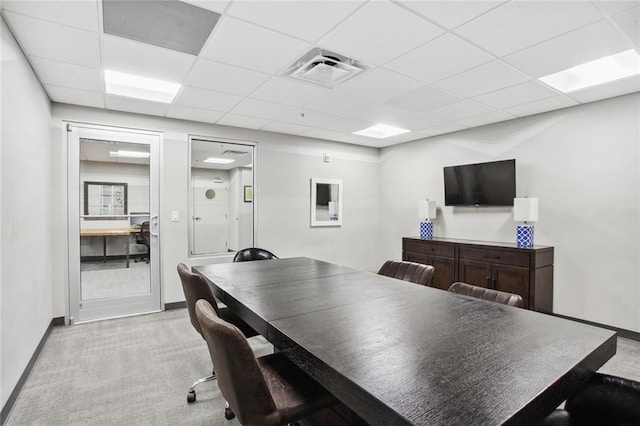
<point x="219" y="160"/>
<point x="615" y="67"/>
<point x="381" y="131"/>
<point x="135" y="86"/>
<point x="129" y="154"/>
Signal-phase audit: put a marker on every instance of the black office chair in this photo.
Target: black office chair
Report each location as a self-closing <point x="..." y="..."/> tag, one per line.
<point x="253" y="253"/>
<point x="142" y="238"/>
<point x="268" y="391"/>
<point x="195" y="288"/>
<point x="604" y="400"/>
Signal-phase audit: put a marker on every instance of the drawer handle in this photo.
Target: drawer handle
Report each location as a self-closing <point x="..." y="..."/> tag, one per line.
<point x="491" y="257"/>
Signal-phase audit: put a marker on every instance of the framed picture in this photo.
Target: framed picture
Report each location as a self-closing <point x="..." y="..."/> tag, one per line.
<point x="326" y="202"/>
<point x="248" y="194"/>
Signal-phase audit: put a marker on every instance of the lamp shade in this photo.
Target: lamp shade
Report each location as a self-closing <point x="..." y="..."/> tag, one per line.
<point x="427" y="209"/>
<point x="525" y="209"/>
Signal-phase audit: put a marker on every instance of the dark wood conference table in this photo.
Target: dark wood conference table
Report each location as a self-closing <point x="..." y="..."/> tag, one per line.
<point x="398" y="353"/>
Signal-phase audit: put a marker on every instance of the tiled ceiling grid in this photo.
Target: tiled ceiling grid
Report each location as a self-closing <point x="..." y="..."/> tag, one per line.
<point x="432" y="66"/>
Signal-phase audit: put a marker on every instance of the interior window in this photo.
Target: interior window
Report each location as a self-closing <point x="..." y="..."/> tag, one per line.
<point x="221" y="196"/>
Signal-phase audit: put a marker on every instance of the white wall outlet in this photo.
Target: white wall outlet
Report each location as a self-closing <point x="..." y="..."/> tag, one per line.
<point x="175" y="216"/>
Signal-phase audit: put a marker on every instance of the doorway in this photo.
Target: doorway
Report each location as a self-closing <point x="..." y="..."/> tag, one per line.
<point x="113" y="222"/>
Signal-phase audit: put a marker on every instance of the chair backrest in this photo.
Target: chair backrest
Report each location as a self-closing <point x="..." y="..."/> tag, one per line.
<point x="142" y="237"/>
<point x="503" y="297"/>
<point x="606" y="400"/>
<point x="195" y="287"/>
<point x="408" y="271"/>
<point x="240" y="378"/>
<point x="253" y="253"/>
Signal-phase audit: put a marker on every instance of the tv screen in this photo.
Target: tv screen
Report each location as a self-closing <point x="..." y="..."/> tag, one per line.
<point x="481" y="184"/>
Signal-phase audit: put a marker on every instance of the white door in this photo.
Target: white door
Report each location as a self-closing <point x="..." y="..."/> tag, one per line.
<point x="210" y="215"/>
<point x="113" y="222"/>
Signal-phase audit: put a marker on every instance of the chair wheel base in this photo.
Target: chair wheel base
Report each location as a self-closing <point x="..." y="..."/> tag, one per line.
<point x="228" y="414"/>
<point x="191" y="396"/>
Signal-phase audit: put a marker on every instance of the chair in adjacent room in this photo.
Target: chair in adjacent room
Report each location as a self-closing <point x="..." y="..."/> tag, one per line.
<point x="195" y="287"/>
<point x="503" y="297"/>
<point x="142" y="238"/>
<point x="603" y="400"/>
<point x="270" y="390"/>
<point x="413" y="272"/>
<point x="253" y="253"/>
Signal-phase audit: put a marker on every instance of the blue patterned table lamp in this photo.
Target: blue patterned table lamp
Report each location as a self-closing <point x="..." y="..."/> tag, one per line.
<point x="525" y="210"/>
<point x="426" y="211"/>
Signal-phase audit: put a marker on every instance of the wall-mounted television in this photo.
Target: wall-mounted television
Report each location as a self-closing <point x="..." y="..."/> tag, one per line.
<point x="480" y="184"/>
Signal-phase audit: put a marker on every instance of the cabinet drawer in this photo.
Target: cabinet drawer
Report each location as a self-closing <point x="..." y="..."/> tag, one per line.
<point x="435" y="249"/>
<point x="505" y="257"/>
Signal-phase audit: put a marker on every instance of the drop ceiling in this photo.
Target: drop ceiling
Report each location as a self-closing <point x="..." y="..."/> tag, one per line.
<point x="432" y="67"/>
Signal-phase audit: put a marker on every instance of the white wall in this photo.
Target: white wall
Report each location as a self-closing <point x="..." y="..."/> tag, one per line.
<point x="26" y="225"/>
<point x="582" y="162"/>
<point x="284" y="167"/>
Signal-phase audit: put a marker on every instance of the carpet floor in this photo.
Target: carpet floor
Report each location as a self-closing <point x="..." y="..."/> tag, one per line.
<point x="137" y="371"/>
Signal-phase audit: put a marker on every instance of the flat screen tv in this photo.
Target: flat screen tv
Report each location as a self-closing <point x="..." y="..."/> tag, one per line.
<point x="481" y="184"/>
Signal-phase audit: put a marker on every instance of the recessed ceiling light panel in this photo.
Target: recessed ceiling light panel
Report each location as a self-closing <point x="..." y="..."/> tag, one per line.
<point x="135" y="86"/>
<point x="604" y="70"/>
<point x="324" y="68"/>
<point x="129" y="154"/>
<point x="381" y="131"/>
<point x="216" y="160"/>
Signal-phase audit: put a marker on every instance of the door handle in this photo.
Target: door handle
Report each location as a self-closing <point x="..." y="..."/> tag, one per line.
<point x="153" y="225"/>
<point x="197" y="218"/>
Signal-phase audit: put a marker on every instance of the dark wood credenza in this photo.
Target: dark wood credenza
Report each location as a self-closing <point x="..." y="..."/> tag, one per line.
<point x="499" y="266"/>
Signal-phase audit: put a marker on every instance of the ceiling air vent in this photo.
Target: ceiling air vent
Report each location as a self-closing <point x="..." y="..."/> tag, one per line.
<point x="325" y="68"/>
<point x="234" y="152"/>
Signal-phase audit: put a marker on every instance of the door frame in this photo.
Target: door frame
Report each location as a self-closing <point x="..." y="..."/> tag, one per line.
<point x="126" y="307"/>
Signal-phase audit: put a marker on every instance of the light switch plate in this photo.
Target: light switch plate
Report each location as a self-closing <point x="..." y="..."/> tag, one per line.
<point x="175" y="216"/>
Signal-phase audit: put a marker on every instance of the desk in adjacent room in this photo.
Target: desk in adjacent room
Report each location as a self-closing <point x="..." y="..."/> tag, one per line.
<point x="104" y="233"/>
<point x="398" y="353"/>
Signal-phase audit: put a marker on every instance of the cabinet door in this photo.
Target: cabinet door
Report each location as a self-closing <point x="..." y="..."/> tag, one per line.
<point x="444" y="273"/>
<point x="512" y="279"/>
<point x="473" y="272"/>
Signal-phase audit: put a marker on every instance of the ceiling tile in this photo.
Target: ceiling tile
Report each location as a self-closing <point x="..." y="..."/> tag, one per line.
<point x="308" y="118"/>
<point x="281" y="127"/>
<point x="288" y="92"/>
<point x="66" y="95"/>
<point x="365" y="35"/>
<point x="63" y="74"/>
<point x="520" y="24"/>
<point x="194" y="114"/>
<point x="55" y="41"/>
<point x="423" y="99"/>
<point x="451" y="14"/>
<point x="326" y="135"/>
<point x="207" y="99"/>
<point x="576" y="47"/>
<point x="215" y="5"/>
<point x="261" y="109"/>
<point x="379" y="113"/>
<point x="242" y="121"/>
<point x="442" y="129"/>
<point x="629" y="21"/>
<point x="542" y="105"/>
<point x="486" y="118"/>
<point x="337" y="103"/>
<point x="137" y="58"/>
<point x="439" y="58"/>
<point x="138" y="106"/>
<point x="77" y="14"/>
<point x="516" y="95"/>
<point x="379" y="84"/>
<point x="418" y="121"/>
<point x="224" y="78"/>
<point x="460" y="110"/>
<point x="609" y="90"/>
<point x="485" y="78"/>
<point x="613" y="7"/>
<point x="288" y="16"/>
<point x="345" y="125"/>
<point x="246" y="45"/>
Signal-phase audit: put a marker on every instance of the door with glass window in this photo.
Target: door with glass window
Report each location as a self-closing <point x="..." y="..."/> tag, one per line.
<point x="113" y="222"/>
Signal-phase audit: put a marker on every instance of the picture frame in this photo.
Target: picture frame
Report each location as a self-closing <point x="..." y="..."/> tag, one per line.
<point x="248" y="194"/>
<point x="326" y="202"/>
